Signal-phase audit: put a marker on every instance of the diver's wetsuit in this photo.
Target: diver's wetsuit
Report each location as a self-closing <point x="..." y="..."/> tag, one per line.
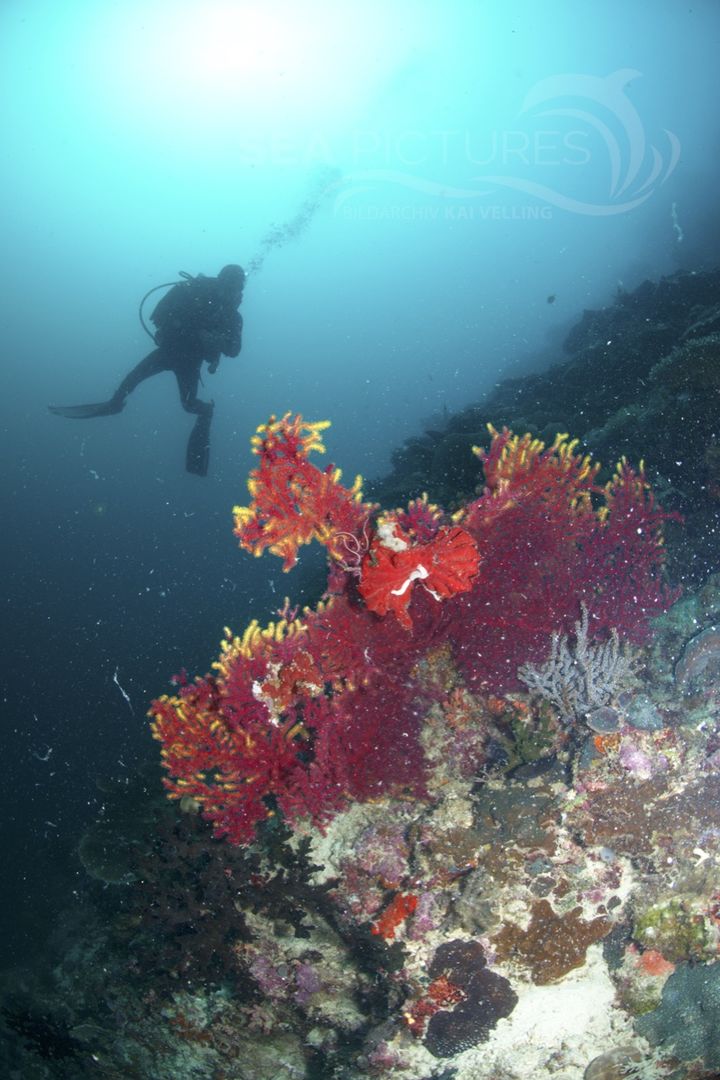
<point x="186" y="368"/>
<point x="197" y="321"/>
<point x="187" y="372"/>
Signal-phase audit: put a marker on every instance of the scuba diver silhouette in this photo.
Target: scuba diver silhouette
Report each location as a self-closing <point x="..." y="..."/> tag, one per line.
<point x="196" y="321"/>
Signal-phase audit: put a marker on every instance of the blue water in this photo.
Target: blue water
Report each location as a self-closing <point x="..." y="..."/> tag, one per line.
<point x="459" y="182"/>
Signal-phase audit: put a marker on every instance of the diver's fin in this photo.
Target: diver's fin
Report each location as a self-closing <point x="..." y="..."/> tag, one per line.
<point x="85" y="412"/>
<point x="197" y="459"/>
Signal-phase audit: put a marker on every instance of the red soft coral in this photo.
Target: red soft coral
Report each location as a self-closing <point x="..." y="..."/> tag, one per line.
<point x="294" y="502"/>
<point x="550" y="538"/>
<point x="311" y="712"/>
<point x="443" y="566"/>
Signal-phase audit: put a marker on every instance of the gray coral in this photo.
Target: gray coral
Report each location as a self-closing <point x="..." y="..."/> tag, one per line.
<point x="580" y="675"/>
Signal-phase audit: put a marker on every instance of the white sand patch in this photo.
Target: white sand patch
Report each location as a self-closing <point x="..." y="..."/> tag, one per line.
<point x="554" y="1031"/>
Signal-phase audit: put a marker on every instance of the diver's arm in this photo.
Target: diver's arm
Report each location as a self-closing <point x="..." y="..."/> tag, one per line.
<point x="225" y="340"/>
<point x="233" y="340"/>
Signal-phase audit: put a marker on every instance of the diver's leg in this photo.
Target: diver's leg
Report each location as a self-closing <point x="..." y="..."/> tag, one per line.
<point x="197" y="458"/>
<point x="150" y="365"/>
<point x="187" y="379"/>
<point x="153" y="363"/>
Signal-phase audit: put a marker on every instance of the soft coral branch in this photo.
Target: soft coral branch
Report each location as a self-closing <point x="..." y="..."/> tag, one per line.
<point x="294" y="502"/>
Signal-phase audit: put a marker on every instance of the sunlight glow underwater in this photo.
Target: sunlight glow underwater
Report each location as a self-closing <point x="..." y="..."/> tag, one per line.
<point x="267" y="63"/>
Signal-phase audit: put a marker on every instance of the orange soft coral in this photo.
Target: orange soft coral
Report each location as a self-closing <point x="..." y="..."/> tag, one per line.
<point x="398" y="910"/>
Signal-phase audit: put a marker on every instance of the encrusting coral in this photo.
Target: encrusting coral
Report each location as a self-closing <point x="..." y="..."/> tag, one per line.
<point x="315" y="712"/>
<point x="552" y="944"/>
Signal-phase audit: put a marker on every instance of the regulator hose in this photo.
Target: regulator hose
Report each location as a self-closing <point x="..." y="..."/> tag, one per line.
<point x="167" y="285"/>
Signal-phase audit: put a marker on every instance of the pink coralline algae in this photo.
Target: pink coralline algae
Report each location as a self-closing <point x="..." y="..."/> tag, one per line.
<point x="382" y="853"/>
<point x="307" y="983"/>
<point x="641" y="764"/>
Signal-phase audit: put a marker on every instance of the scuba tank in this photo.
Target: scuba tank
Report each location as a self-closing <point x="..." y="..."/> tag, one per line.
<point x="166" y="285"/>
